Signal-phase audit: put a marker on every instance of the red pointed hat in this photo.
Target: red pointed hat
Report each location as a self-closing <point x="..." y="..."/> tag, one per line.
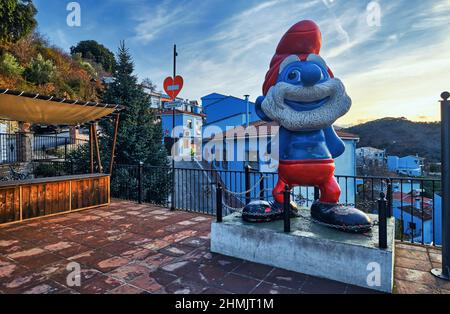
<point x="301" y="39"/>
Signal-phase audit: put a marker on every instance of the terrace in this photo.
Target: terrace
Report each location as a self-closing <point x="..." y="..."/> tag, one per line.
<point x="121" y="246"/>
<point x="128" y="247"/>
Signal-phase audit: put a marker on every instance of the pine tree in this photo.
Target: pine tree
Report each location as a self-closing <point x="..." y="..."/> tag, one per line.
<point x="139" y="139"/>
<point x="140" y="136"/>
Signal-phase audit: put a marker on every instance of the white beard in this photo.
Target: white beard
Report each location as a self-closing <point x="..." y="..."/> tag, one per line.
<point x="275" y="108"/>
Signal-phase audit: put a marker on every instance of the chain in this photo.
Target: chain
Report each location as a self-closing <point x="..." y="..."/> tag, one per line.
<point x="344" y="228"/>
<point x="248" y="191"/>
<point x="233" y="209"/>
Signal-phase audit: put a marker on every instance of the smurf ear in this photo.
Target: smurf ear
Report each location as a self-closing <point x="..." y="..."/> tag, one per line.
<point x="317" y="59"/>
<point x="290" y="59"/>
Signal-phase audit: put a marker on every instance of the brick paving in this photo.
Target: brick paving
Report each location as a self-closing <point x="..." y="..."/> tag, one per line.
<point x="412" y="270"/>
<point x="128" y="248"/>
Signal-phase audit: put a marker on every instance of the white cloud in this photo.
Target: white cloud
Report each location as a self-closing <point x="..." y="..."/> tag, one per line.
<point x="154" y="20"/>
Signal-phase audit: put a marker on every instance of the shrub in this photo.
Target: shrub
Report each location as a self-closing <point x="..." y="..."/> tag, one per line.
<point x="9" y="66"/>
<point x="40" y="71"/>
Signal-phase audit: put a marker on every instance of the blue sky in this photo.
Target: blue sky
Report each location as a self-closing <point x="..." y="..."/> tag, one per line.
<point x="397" y="68"/>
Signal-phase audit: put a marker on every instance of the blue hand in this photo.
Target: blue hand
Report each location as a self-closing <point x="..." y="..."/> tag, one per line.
<point x="335" y="144"/>
<point x="259" y="111"/>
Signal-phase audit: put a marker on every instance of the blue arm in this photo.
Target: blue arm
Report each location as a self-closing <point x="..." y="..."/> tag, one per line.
<point x="334" y="143"/>
<point x="259" y="111"/>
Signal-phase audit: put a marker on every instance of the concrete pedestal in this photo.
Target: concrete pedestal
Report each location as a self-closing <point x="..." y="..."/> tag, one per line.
<point x="309" y="249"/>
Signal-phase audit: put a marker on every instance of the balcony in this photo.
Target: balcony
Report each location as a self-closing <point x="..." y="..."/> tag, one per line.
<point x="136" y="248"/>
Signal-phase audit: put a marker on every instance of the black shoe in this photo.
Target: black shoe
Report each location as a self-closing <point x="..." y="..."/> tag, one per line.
<point x="348" y="219"/>
<point x="263" y="211"/>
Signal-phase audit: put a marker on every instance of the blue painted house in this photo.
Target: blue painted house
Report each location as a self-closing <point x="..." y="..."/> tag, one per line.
<point x="415" y="214"/>
<point x="227" y="111"/>
<point x="188" y="126"/>
<point x="408" y="165"/>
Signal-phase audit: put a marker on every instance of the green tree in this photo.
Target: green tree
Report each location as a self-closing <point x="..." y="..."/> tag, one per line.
<point x="16" y="19"/>
<point x="9" y="66"/>
<point x="40" y="71"/>
<point x="92" y="50"/>
<point x="139" y="138"/>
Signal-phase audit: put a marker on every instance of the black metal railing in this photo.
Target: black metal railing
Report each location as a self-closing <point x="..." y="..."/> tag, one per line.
<point x="11" y="148"/>
<point x="48" y="147"/>
<point x="414" y="202"/>
<point x="43" y="147"/>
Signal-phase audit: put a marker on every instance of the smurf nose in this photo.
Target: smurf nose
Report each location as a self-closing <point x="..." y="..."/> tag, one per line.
<point x="311" y="74"/>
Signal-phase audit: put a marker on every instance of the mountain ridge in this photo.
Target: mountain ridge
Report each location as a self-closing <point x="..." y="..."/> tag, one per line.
<point x="401" y="137"/>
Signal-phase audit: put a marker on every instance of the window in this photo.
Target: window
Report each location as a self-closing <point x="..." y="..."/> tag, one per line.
<point x="189" y="124"/>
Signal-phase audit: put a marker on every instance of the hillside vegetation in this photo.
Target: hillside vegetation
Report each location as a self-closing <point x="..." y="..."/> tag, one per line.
<point x="401" y="137"/>
<point x="32" y="64"/>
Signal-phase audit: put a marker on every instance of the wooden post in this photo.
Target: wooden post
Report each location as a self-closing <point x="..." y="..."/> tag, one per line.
<point x="91" y="147"/>
<point x="99" y="161"/>
<point x="113" y="150"/>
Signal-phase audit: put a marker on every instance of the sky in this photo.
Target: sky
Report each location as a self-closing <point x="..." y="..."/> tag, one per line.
<point x="393" y="56"/>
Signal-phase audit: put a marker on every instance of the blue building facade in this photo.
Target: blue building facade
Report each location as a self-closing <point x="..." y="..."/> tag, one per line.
<point x="408" y="165"/>
<point x="188" y="127"/>
<point x="420" y="217"/>
<point x="227" y="111"/>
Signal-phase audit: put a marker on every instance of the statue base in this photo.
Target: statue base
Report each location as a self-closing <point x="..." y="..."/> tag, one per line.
<point x="310" y="249"/>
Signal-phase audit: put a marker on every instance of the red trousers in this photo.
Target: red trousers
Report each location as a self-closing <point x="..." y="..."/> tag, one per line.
<point x="318" y="173"/>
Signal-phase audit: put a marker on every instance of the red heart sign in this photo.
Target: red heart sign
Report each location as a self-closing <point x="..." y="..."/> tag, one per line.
<point x="173" y="86"/>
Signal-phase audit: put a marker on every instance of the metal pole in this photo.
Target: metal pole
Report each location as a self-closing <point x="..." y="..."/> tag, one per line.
<point x="382" y="222"/>
<point x="65" y="148"/>
<point x="316" y="193"/>
<point x="97" y="149"/>
<point x="172" y="203"/>
<point x="113" y="149"/>
<point x="444" y="272"/>
<point x="247" y="110"/>
<point x="219" y="202"/>
<point x="140" y="182"/>
<point x="247" y="184"/>
<point x="261" y="187"/>
<point x="286" y="208"/>
<point x="389" y="199"/>
<point x="91" y="147"/>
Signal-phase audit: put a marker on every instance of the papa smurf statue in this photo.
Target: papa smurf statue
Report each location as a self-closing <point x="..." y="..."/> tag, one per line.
<point x="302" y="95"/>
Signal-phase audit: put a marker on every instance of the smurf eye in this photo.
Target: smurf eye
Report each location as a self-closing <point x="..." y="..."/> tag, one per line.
<point x="294" y="76"/>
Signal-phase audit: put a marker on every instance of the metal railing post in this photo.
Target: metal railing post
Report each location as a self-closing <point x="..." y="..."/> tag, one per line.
<point x="172" y="198"/>
<point x="316" y="193"/>
<point x="261" y="187"/>
<point x="382" y="221"/>
<point x="65" y="148"/>
<point x="389" y="199"/>
<point x="140" y="182"/>
<point x="219" y="203"/>
<point x="286" y="209"/>
<point x="247" y="184"/>
<point x="444" y="273"/>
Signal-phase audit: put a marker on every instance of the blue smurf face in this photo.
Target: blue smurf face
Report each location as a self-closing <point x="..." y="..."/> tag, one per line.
<point x="307" y="73"/>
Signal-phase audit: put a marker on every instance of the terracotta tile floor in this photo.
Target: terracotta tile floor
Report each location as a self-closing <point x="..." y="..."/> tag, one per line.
<point x="132" y="248"/>
<point x="412" y="270"/>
